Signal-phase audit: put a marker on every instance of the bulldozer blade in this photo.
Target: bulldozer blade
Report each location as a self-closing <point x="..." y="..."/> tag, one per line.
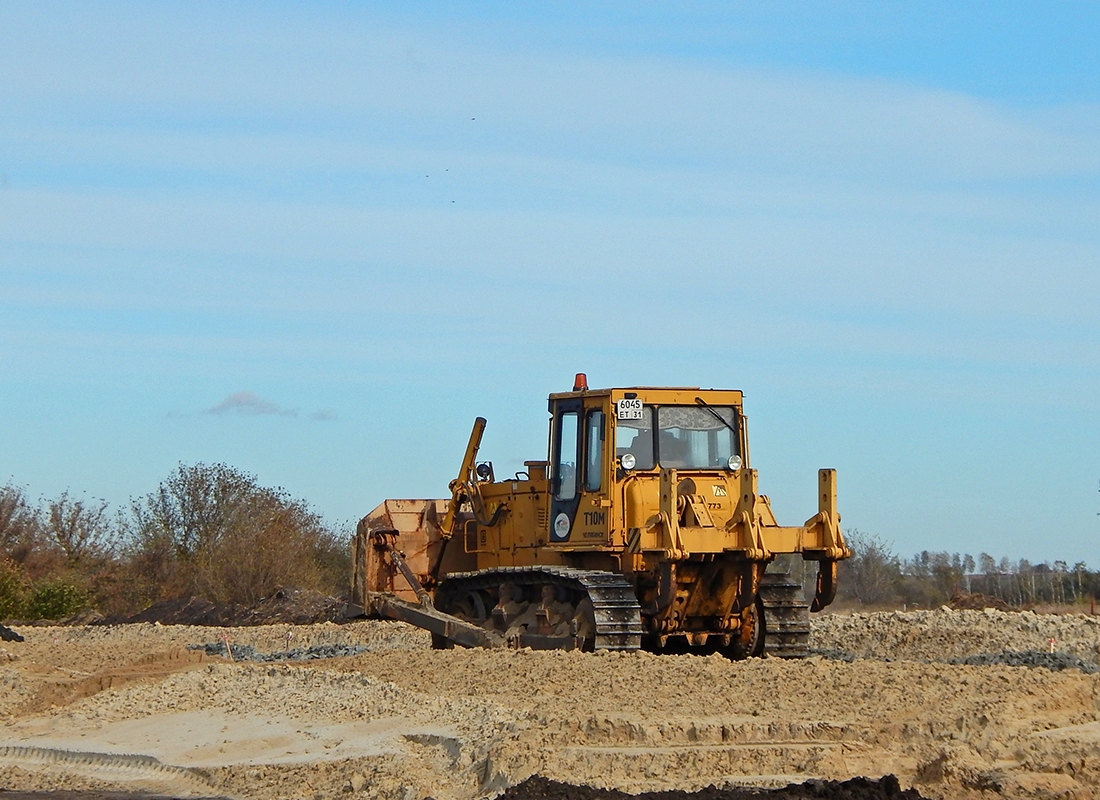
<point x="430" y="619"/>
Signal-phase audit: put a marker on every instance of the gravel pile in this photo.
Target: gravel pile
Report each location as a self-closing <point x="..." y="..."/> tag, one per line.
<point x="1029" y="658"/>
<point x="833" y="654"/>
<point x="246" y="652"/>
<point x="948" y="635"/>
<point x="1013" y="658"/>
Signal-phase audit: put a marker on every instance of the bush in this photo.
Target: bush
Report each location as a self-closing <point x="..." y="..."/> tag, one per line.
<point x="54" y="600"/>
<point x="13" y="589"/>
<point x="274" y="548"/>
<point x="21" y="537"/>
<point x="872" y="576"/>
<point x="214" y="531"/>
<point x="332" y="552"/>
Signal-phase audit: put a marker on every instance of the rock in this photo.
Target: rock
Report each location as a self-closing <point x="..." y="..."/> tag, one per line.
<point x="246" y="652"/>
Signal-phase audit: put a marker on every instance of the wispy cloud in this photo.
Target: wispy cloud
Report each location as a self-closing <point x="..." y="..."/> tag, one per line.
<point x="250" y="404"/>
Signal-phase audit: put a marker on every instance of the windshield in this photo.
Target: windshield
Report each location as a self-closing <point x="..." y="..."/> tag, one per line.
<point x="688" y="437"/>
<point x="696" y="437"/>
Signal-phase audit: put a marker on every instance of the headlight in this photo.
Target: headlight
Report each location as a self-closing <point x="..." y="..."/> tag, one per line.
<point x="734" y="463"/>
<point x="628" y="461"/>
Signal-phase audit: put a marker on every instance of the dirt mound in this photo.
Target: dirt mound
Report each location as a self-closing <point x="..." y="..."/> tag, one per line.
<point x="977" y="601"/>
<point x="65" y="690"/>
<point x="946" y="635"/>
<point x="190" y="611"/>
<point x="284" y="605"/>
<point x="296" y="607"/>
<point x="539" y="788"/>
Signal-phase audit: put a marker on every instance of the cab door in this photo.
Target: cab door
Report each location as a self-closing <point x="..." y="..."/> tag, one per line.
<point x="565" y="464"/>
<point x="578" y="511"/>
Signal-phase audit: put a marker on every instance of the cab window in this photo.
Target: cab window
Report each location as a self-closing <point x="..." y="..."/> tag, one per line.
<point x="635" y="436"/>
<point x="696" y="437"/>
<point x="565" y="460"/>
<point x="593" y="463"/>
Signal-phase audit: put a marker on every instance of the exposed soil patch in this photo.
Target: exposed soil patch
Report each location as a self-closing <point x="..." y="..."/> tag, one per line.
<point x="886" y="788"/>
<point x="66" y="688"/>
<point x="103" y="708"/>
<point x="65" y="794"/>
<point x="284" y="606"/>
<point x="977" y="602"/>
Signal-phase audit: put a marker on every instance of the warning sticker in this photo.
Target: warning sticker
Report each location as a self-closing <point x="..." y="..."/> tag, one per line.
<point x="561" y="526"/>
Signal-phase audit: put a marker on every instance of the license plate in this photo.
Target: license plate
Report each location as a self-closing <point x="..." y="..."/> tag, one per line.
<point x="629" y="409"/>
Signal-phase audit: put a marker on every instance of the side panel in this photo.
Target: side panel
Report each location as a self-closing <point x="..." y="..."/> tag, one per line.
<point x="521" y="535"/>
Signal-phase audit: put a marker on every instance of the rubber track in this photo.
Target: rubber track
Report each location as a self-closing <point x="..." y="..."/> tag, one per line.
<point x="135" y="766"/>
<point x="618" y="616"/>
<point x="786" y="617"/>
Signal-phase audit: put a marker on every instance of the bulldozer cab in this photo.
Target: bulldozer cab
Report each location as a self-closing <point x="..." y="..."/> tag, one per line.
<point x="609" y="448"/>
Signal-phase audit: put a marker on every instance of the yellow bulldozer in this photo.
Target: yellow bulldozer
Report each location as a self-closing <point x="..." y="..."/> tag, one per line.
<point x="644" y="529"/>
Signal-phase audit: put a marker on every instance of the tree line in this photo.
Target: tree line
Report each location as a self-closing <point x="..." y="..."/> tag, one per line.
<point x="213" y="531"/>
<point x="206" y="530"/>
<point x="877" y="576"/>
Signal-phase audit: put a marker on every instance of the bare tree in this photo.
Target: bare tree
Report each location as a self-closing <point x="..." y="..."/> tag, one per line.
<point x="987" y="564"/>
<point x="968" y="570"/>
<point x="873" y="572"/>
<point x="18" y="523"/>
<point x="1079" y="570"/>
<point x="78" y="528"/>
<point x="1058" y="582"/>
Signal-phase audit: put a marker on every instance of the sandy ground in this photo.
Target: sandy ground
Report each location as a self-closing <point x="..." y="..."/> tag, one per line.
<point x="129" y="708"/>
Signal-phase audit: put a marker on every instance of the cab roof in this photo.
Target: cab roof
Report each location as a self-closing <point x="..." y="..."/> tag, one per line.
<point x="659" y="394"/>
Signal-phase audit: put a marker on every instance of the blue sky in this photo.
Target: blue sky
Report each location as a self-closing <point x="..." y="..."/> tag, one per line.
<point x="315" y="242"/>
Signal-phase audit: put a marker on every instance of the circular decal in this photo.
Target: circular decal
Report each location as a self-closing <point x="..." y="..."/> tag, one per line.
<point x="561" y="526"/>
